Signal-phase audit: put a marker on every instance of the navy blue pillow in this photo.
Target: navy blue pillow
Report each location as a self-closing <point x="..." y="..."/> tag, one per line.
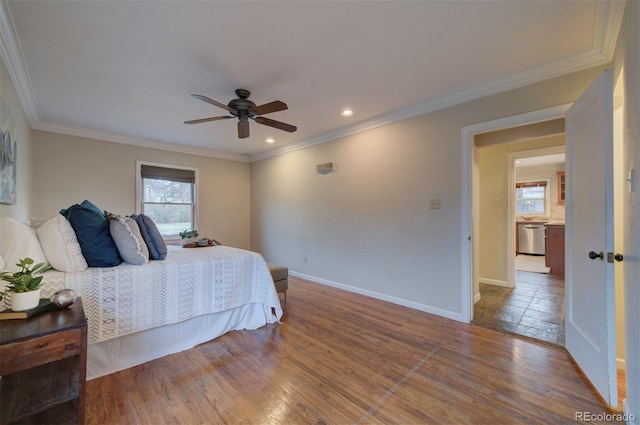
<point x="94" y="237"/>
<point x="152" y="237"/>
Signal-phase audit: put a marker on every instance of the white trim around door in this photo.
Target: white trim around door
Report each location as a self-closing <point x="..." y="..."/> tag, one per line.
<point x="470" y="210"/>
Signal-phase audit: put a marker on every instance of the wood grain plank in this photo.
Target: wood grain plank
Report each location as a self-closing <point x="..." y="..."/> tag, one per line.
<point x="341" y="358"/>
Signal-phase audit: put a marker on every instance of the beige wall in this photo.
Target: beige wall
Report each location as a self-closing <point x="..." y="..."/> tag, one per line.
<point x="13" y="119"/>
<point x="493" y="222"/>
<point x="69" y="169"/>
<point x="368" y="225"/>
<point x="627" y="56"/>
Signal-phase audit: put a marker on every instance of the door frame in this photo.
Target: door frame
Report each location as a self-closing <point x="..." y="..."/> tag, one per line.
<point x="470" y="188"/>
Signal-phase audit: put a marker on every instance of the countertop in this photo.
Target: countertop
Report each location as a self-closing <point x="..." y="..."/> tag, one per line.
<point x="550" y="223"/>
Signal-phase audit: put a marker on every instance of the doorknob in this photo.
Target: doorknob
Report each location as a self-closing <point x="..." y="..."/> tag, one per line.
<point x="593" y="255"/>
<point x="611" y="257"/>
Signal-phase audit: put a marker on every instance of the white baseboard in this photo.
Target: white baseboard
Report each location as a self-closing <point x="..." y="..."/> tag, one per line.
<point x="395" y="300"/>
<point x="495" y="282"/>
<point x="477" y="297"/>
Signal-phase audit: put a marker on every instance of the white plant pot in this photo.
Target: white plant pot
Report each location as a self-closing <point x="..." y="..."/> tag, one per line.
<point x="24" y="300"/>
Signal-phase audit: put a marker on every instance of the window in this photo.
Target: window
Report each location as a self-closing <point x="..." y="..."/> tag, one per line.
<point x="531" y="198"/>
<point x="167" y="194"/>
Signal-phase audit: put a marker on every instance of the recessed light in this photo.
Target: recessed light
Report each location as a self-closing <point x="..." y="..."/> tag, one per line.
<point x="270" y="140"/>
<point x="346" y="112"/>
<point x="517" y="162"/>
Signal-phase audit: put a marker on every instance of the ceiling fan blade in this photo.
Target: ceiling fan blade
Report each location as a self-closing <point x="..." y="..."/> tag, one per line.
<point x="276" y="124"/>
<point x="270" y="107"/>
<point x="213" y="102"/>
<point x="243" y="128"/>
<point x="207" y="119"/>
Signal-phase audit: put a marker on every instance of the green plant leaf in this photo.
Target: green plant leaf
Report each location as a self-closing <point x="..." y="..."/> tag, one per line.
<point x="39" y="268"/>
<point x="34" y="283"/>
<point x="25" y="279"/>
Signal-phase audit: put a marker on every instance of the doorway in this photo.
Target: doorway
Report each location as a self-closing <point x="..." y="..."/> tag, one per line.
<point x="470" y="208"/>
<point x="471" y="202"/>
<point x="518" y="189"/>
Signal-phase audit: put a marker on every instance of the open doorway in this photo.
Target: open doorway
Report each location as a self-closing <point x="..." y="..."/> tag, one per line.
<point x="520" y="189"/>
<point x="471" y="203"/>
<point x="540" y="189"/>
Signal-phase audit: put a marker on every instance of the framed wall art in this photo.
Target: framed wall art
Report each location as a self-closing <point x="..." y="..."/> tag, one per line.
<point x="7" y="168"/>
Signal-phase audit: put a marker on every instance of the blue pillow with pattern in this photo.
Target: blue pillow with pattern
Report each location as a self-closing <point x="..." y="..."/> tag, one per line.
<point x="152" y="237"/>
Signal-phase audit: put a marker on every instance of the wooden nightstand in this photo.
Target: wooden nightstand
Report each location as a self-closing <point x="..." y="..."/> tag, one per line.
<point x="43" y="367"/>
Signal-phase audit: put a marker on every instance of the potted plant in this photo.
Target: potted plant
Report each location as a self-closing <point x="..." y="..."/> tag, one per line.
<point x="189" y="238"/>
<point x="24" y="285"/>
<point x="191" y="235"/>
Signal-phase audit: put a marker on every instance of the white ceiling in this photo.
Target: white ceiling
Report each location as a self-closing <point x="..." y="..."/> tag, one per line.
<point x="557" y="158"/>
<point x="125" y="70"/>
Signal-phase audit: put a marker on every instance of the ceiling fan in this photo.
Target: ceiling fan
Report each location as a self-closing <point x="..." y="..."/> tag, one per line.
<point x="243" y="109"/>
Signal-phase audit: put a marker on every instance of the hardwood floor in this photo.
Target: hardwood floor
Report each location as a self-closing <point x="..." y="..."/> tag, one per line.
<point x="342" y="358"/>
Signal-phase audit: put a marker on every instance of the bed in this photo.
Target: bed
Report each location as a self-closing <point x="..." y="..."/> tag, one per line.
<point x="137" y="313"/>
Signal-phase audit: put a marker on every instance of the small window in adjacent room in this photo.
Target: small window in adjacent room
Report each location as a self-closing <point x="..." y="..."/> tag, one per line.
<point x="167" y="194"/>
<point x="531" y="198"/>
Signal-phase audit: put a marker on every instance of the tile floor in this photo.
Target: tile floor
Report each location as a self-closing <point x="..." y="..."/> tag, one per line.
<point x="534" y="308"/>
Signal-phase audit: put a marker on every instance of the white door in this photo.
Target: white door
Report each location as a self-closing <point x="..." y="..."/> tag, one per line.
<point x="590" y="298"/>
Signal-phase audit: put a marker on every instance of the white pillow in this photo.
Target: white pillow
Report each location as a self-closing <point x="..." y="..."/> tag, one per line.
<point x="17" y="241"/>
<point x="60" y="245"/>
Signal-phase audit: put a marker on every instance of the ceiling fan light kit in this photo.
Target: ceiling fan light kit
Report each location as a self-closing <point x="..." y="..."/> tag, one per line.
<point x="243" y="109"/>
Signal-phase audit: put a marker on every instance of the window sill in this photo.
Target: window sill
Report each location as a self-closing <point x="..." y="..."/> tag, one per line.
<point x="173" y="242"/>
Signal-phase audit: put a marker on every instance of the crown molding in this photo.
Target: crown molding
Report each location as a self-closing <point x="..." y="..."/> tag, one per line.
<point x="108" y="136"/>
<point x="12" y="56"/>
<point x="606" y="26"/>
<point x="583" y="60"/>
<point x="607" y="22"/>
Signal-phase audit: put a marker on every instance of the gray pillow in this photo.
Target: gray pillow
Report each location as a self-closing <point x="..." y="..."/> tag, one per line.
<point x="126" y="234"/>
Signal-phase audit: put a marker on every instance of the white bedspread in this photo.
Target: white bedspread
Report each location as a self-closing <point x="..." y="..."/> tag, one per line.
<point x="191" y="282"/>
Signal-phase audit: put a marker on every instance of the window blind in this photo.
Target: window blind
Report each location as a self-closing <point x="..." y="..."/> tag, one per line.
<point x="531" y="184"/>
<point x="163" y="173"/>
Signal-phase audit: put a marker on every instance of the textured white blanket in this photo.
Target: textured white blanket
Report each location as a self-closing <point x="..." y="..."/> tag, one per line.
<point x="190" y="282"/>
